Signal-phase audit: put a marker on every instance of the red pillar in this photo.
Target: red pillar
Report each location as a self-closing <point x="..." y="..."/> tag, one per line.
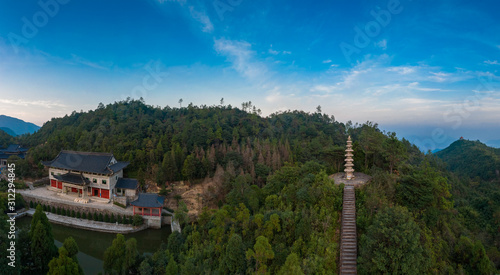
<point x="151" y="211"/>
<point x="142" y="211"/>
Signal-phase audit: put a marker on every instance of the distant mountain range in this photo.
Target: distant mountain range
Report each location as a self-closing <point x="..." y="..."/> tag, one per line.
<point x="15" y="127"/>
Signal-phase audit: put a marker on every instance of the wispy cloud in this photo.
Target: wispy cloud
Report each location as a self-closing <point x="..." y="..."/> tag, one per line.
<point x="97" y="65"/>
<point x="382" y="44"/>
<point x="31" y="103"/>
<point x="327" y="61"/>
<point x="275" y="52"/>
<point x="242" y="57"/>
<point x="494" y="62"/>
<point x="203" y="18"/>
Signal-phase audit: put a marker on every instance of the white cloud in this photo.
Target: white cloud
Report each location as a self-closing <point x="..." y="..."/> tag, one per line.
<point x="439" y="76"/>
<point x="402" y="69"/>
<point x="327" y="61"/>
<point x="97" y="65"/>
<point x="273" y="52"/>
<point x="382" y="44"/>
<point x="30" y="103"/>
<point x="240" y="54"/>
<point x="494" y="62"/>
<point x="203" y="18"/>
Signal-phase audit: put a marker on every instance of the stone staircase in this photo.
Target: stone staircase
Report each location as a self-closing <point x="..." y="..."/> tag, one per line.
<point x="348" y="242"/>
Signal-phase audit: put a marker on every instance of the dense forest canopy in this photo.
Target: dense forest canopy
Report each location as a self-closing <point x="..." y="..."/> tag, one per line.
<point x="279" y="211"/>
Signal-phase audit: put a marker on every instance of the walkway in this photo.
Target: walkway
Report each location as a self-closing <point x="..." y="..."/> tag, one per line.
<point x="91" y="225"/>
<point x="348" y="242"/>
<point x="42" y="193"/>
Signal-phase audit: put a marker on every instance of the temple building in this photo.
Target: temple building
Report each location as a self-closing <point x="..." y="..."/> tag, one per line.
<point x="349" y="170"/>
<point x="11" y="150"/>
<point x="89" y="175"/>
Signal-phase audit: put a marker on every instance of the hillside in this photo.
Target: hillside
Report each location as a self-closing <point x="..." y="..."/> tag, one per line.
<point x="267" y="179"/>
<point x="472" y="159"/>
<point x="8" y="131"/>
<point x="5" y="139"/>
<point x="17" y="126"/>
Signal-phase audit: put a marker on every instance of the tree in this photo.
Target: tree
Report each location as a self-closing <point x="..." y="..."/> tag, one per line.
<point x="63" y="265"/>
<point x="42" y="248"/>
<point x="137" y="220"/>
<point x="181" y="214"/>
<point x="291" y="266"/>
<point x="189" y="170"/>
<point x="114" y="256"/>
<point x="180" y="102"/>
<point x="172" y="268"/>
<point x="71" y="247"/>
<point x="131" y="254"/>
<point x="394" y="151"/>
<point x="233" y="261"/>
<point x="262" y="252"/>
<point x="392" y="244"/>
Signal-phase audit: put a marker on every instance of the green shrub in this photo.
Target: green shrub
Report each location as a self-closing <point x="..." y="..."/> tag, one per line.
<point x="44" y="208"/>
<point x="137" y="220"/>
<point x="119" y="219"/>
<point x="119" y="204"/>
<point x="73" y="214"/>
<point x="84" y="215"/>
<point x="101" y="218"/>
<point x="58" y="211"/>
<point x="112" y="219"/>
<point x="64" y="212"/>
<point x="96" y="217"/>
<point x="106" y="218"/>
<point x="31" y="204"/>
<point x="53" y="209"/>
<point x="78" y="215"/>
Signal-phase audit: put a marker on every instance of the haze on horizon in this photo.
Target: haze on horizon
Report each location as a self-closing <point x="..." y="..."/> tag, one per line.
<point x="428" y="70"/>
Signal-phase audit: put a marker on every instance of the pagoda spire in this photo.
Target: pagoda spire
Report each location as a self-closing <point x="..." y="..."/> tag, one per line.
<point x="349" y="170"/>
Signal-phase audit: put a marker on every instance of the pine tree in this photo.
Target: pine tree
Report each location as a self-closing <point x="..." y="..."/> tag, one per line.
<point x="63" y="265"/>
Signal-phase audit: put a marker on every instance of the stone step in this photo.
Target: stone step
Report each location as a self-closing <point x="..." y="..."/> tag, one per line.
<point x="348" y="241"/>
<point x="348" y="270"/>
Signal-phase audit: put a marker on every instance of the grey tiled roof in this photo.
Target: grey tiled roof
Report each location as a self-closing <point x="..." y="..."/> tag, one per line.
<point x="124" y="183"/>
<point x="90" y="162"/>
<point x="77" y="179"/>
<point x="13" y="150"/>
<point x="149" y="200"/>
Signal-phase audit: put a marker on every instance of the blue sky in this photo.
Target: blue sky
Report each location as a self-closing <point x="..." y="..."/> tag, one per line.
<point x="428" y="70"/>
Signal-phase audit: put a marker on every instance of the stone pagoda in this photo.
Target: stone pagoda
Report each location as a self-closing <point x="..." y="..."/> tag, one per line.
<point x="349" y="170"/>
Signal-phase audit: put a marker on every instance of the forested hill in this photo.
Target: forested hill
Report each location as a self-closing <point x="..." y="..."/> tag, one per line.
<point x="472" y="159"/>
<point x="5" y="139"/>
<point x="168" y="144"/>
<point x="278" y="210"/>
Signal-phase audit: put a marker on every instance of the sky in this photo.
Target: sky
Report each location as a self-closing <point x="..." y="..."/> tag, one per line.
<point x="428" y="70"/>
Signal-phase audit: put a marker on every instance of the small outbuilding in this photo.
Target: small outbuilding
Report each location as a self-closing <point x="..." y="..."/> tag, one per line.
<point x="148" y="204"/>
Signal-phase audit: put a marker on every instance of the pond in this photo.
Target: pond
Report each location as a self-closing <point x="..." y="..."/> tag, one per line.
<point x="92" y="244"/>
